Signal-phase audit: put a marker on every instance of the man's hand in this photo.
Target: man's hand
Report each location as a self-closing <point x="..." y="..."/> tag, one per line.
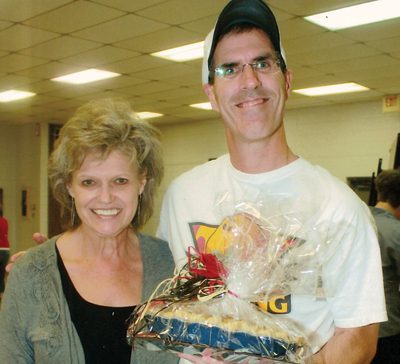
<point x="350" y="346"/>
<point x="39" y="238"/>
<point x="207" y="359"/>
<point x="13" y="258"/>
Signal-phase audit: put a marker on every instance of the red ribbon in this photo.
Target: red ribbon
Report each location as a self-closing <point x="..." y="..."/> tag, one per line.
<point x="205" y="265"/>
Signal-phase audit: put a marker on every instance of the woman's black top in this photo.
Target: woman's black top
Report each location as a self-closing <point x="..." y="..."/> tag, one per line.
<point x="101" y="329"/>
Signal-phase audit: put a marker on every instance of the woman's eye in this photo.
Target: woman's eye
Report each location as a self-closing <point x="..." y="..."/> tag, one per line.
<point x="87" y="182"/>
<point x="121" y="181"/>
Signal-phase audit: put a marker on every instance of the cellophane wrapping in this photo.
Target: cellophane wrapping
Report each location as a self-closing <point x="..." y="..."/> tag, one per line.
<point x="219" y="299"/>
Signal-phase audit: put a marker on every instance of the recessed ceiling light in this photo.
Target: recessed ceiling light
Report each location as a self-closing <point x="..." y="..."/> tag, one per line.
<point x="180" y="54"/>
<point x="13" y="95"/>
<point x="89" y="75"/>
<point x="203" y="106"/>
<point x="148" y="115"/>
<point x="331" y="89"/>
<point x="361" y="14"/>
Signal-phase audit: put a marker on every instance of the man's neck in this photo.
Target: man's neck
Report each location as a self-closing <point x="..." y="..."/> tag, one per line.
<point x="260" y="160"/>
<point x="388" y="207"/>
<point x="260" y="156"/>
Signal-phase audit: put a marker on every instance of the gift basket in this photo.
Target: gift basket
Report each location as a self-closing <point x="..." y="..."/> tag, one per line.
<point x="219" y="300"/>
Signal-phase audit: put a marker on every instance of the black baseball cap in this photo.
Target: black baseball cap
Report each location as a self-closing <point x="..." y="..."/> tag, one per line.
<point x="252" y="12"/>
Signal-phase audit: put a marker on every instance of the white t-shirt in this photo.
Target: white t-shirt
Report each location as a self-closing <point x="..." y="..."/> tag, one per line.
<point x="198" y="200"/>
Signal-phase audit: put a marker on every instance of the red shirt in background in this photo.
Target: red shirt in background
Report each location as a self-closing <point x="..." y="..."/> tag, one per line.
<point x="4" y="233"/>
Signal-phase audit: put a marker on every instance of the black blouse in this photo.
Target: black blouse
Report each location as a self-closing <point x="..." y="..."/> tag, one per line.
<point x="101" y="329"/>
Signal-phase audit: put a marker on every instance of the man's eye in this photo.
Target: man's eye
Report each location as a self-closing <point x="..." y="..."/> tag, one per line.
<point x="260" y="65"/>
<point x="121" y="181"/>
<point x="226" y="71"/>
<point x="229" y="70"/>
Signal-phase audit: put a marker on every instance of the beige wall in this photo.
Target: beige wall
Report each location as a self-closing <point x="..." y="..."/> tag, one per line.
<point x="8" y="175"/>
<point x="20" y="170"/>
<point x="348" y="140"/>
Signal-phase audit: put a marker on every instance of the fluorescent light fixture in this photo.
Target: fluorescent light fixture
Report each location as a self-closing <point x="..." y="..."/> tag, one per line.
<point x="180" y="54"/>
<point x="352" y="16"/>
<point x="148" y="115"/>
<point x="331" y="89"/>
<point x="203" y="106"/>
<point x="13" y="95"/>
<point x="89" y="75"/>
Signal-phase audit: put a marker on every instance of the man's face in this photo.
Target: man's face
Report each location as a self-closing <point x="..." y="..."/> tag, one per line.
<point x="252" y="103"/>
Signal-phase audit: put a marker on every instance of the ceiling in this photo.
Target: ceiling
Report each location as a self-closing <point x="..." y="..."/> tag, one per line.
<point x="42" y="39"/>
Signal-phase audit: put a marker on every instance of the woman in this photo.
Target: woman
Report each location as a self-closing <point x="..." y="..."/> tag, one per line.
<point x="67" y="300"/>
<point x="4" y="250"/>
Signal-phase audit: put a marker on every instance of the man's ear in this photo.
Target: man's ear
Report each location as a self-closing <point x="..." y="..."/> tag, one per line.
<point x="288" y="80"/>
<point x="209" y="91"/>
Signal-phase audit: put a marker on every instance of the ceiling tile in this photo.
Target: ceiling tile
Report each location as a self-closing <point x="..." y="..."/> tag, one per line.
<point x="166" y="38"/>
<point x="388" y="45"/>
<point x="18" y="37"/>
<point x="118" y="82"/>
<point x="168" y="71"/>
<point x="315" y="42"/>
<point x="5" y="24"/>
<point x="129" y="5"/>
<point x="136" y="64"/>
<point x="381" y="30"/>
<point x="101" y="95"/>
<point x="202" y="26"/>
<point x="74" y="16"/>
<point x="28" y="9"/>
<point x="146" y="88"/>
<point x="45" y="86"/>
<point x="16" y="62"/>
<point x="100" y="56"/>
<point x="128" y="26"/>
<point x="11" y="81"/>
<point x="298" y="28"/>
<point x="358" y="63"/>
<point x="311" y="7"/>
<point x="50" y="70"/>
<point x="177" y="94"/>
<point x="316" y="81"/>
<point x="60" y="47"/>
<point x="73" y="91"/>
<point x="179" y="12"/>
<point x="335" y="54"/>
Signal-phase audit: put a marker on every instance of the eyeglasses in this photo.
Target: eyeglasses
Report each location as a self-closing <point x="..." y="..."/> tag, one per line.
<point x="266" y="65"/>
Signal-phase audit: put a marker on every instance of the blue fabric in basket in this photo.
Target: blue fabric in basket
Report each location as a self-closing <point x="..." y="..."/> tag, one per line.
<point x="174" y="330"/>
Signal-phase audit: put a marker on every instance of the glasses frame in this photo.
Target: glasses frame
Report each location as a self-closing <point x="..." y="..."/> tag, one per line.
<point x="276" y="62"/>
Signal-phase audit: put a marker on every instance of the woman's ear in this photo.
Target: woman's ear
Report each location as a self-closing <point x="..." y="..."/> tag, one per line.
<point x="143" y="182"/>
<point x="69" y="189"/>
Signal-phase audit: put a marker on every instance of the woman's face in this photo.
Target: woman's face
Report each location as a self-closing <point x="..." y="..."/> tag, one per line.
<point x="106" y="193"/>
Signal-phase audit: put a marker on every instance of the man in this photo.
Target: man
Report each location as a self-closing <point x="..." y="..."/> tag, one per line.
<point x="387" y="216"/>
<point x="247" y="82"/>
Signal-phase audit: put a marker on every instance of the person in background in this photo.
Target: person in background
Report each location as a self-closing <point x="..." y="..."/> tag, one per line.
<point x="68" y="299"/>
<point x="246" y="79"/>
<point x="387" y="217"/>
<point x="4" y="250"/>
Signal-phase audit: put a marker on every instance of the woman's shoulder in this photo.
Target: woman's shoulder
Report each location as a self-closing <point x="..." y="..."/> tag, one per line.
<point x="38" y="257"/>
<point x="156" y="251"/>
<point x="153" y="242"/>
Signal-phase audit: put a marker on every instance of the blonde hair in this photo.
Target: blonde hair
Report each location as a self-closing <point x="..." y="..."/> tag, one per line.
<point x="103" y="126"/>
